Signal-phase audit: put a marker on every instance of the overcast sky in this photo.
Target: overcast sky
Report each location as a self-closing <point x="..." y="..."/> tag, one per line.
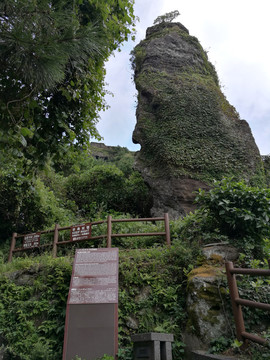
<point x="235" y="33"/>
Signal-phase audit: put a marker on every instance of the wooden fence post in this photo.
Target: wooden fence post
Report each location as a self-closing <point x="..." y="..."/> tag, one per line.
<point x="237" y="310"/>
<point x="55" y="241"/>
<point x="12" y="246"/>
<point x="109" y="231"/>
<point x="167" y="229"/>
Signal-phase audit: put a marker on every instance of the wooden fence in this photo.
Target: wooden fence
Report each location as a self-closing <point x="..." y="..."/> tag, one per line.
<point x="237" y="302"/>
<point x="79" y="233"/>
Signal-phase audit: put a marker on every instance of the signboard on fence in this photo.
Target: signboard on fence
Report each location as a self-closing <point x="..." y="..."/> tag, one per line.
<point x="80" y="232"/>
<point x="91" y="328"/>
<point x="31" y="241"/>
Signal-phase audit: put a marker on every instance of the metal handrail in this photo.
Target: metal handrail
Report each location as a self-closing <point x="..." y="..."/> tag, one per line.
<point x="237" y="302"/>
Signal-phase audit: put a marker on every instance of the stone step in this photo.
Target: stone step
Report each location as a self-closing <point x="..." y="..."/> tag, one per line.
<point x="203" y="355"/>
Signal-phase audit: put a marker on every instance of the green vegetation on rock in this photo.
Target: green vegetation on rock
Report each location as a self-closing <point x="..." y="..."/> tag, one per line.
<point x="185" y="125"/>
<point x="266" y="164"/>
<point x="168" y="17"/>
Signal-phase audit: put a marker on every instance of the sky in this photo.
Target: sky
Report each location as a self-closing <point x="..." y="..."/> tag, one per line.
<point x="235" y="34"/>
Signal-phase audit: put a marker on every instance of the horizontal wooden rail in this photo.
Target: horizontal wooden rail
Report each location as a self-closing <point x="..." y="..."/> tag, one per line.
<point x="253" y="338"/>
<point x="18" y="236"/>
<point x="252" y="272"/>
<point x="139" y="234"/>
<point x="26" y="249"/>
<point x="236" y="301"/>
<point x="138" y="219"/>
<point x="253" y="304"/>
<point x="72" y="242"/>
<point x="33" y="241"/>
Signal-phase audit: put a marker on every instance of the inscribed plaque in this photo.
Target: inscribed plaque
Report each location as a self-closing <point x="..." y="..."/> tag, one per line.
<point x="95" y="277"/>
<point x="80" y="232"/>
<point x="91" y="319"/>
<point x="31" y="240"/>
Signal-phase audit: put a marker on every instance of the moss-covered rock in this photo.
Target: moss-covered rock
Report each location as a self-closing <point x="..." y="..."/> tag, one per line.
<point x="186" y="127"/>
<point x="208" y="303"/>
<point x="207" y="318"/>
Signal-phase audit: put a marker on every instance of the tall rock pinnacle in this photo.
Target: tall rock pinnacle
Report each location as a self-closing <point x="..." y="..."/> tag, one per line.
<point x="188" y="132"/>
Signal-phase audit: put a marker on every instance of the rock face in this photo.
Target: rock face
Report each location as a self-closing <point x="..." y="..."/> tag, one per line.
<point x="100" y="151"/>
<point x="188" y="132"/>
<point x="266" y="165"/>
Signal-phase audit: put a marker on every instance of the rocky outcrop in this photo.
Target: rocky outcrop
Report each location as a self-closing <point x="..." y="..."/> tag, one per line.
<point x="188" y="132"/>
<point x="100" y="151"/>
<point x="206" y="319"/>
<point x="208" y="304"/>
<point x="266" y="165"/>
<point x="173" y="195"/>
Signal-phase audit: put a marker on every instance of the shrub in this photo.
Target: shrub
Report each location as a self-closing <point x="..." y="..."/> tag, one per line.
<point x="100" y="185"/>
<point x="105" y="187"/>
<point x="238" y="211"/>
<point x="27" y="205"/>
<point x="32" y="307"/>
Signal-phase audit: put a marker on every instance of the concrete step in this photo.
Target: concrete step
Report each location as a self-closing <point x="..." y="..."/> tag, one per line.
<point x="202" y="355"/>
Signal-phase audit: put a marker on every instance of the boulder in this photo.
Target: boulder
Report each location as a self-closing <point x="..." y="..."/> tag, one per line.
<point x="208" y="301"/>
<point x="207" y="314"/>
<point x="222" y="251"/>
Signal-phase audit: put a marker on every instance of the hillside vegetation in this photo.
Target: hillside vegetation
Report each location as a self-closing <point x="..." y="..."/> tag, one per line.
<point x="76" y="189"/>
<point x="152" y="282"/>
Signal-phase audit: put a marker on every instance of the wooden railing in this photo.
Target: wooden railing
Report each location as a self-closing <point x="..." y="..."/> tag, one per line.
<point x="237" y="302"/>
<point x="83" y="233"/>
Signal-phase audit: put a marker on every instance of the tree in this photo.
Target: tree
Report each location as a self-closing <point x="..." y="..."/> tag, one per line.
<point x="28" y="205"/>
<point x="52" y="56"/>
<point x="99" y="187"/>
<point x="105" y="186"/>
<point x="168" y="17"/>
